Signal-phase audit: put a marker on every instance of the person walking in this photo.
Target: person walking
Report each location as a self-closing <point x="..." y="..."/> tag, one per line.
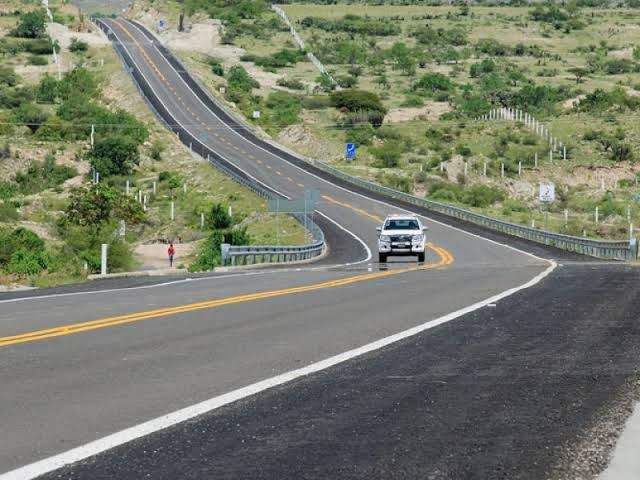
<point x="171" y="251"/>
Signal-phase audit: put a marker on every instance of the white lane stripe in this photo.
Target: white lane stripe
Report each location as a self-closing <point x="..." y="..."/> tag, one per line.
<point x="55" y="462"/>
<point x="314" y="175"/>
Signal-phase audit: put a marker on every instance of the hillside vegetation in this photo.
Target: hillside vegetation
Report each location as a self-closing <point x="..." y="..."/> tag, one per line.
<point x="410" y="82"/>
<point x="55" y="211"/>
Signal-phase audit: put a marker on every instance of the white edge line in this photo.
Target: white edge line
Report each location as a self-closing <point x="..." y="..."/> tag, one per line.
<point x="103" y="444"/>
<point x="306" y="171"/>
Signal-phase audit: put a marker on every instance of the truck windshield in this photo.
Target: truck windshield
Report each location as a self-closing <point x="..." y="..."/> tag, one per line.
<point x="401" y="224"/>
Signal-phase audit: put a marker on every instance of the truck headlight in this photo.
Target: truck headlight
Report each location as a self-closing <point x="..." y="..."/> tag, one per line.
<point x="418" y="238"/>
<point x="385" y="238"/>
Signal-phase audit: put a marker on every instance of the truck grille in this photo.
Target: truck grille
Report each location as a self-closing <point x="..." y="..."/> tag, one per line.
<point x="401" y="238"/>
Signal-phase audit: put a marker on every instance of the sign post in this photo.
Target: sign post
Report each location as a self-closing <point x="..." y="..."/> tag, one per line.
<point x="547" y="195"/>
<point x="350" y="153"/>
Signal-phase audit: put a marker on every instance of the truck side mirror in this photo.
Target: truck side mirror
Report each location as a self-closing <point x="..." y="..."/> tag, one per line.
<point x="424" y="229"/>
<point x="379" y="230"/>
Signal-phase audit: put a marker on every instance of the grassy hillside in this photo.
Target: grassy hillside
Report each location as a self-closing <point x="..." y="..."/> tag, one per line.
<point x="53" y="217"/>
<point x="434" y="70"/>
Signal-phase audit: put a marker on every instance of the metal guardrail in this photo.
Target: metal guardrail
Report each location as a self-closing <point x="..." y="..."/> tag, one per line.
<point x="266" y="253"/>
<point x="249" y="255"/>
<point x="613" y="250"/>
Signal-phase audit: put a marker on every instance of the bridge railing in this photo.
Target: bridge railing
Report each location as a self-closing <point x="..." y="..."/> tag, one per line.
<point x="238" y="253"/>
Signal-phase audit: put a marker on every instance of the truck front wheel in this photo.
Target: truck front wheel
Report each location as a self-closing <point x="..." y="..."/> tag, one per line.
<point x="382" y="257"/>
<point x="421" y="257"/>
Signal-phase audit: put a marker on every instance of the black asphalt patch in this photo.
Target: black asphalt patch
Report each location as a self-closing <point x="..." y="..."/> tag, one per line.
<point x="499" y="393"/>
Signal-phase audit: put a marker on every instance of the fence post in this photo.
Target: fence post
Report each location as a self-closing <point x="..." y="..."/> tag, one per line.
<point x="484" y="169"/>
<point x="597" y="215"/>
<point x="173" y="211"/>
<point x="502" y="170"/>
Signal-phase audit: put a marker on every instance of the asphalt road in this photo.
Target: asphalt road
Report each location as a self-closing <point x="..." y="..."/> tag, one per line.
<point x="160" y="348"/>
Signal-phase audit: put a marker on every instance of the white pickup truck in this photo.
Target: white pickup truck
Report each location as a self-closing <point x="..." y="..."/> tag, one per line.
<point x="401" y="235"/>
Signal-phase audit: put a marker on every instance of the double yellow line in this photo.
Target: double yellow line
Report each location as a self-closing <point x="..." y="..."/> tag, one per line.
<point x="445" y="259"/>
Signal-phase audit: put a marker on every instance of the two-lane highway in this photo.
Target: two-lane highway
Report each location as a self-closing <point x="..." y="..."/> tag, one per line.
<point x="75" y="368"/>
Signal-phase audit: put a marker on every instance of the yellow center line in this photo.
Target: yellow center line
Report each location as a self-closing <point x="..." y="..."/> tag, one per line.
<point x="301" y="185"/>
<point x="445" y="258"/>
<point x="290" y="179"/>
<point x="361" y="212"/>
<point x="278" y="172"/>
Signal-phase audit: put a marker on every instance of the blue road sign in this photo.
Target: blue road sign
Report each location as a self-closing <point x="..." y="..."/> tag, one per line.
<point x="351" y="151"/>
<point x="162" y="24"/>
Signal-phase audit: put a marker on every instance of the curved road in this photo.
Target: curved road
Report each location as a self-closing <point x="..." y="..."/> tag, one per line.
<point x="79" y="366"/>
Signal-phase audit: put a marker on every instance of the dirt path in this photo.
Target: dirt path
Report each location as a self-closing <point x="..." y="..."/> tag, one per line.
<point x="154" y="256"/>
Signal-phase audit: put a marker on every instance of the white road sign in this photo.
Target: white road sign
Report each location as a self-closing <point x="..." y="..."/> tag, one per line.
<point x="547" y="192"/>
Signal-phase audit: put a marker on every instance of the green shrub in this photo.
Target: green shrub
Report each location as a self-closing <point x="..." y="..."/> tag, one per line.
<point x="40" y="176"/>
<point x="218" y="217"/>
<point x="239" y="79"/>
<point x="511" y="205"/>
<point x="444" y="192"/>
<point x="8" y="77"/>
<point x="156" y="150"/>
<point x="479" y="69"/>
<point x="433" y="83"/>
<point x="360" y="135"/>
<point x="28" y="262"/>
<point x="292" y="84"/>
<point x="78" y="46"/>
<point x="8" y="212"/>
<point x="30" y="115"/>
<point x="397" y="182"/>
<point x="360" y="102"/>
<point x="7" y="190"/>
<point x="99" y="204"/>
<point x="37" y="60"/>
<point x="32" y="25"/>
<point x="208" y="256"/>
<point x="40" y="46"/>
<point x="482" y="195"/>
<point x="353" y="24"/>
<point x="284" y="108"/>
<point x="316" y="102"/>
<point x="114" y="156"/>
<point x="19" y="238"/>
<point x="388" y="155"/>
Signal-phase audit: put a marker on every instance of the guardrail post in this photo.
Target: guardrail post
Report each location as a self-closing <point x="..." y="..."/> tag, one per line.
<point x="633" y="248"/>
<point x="103" y="259"/>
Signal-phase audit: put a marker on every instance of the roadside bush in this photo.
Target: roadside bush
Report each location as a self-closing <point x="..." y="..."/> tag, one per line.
<point x="482" y="195"/>
<point x="218" y="217"/>
<point x="156" y="150"/>
<point x="353" y="24"/>
<point x="360" y="101"/>
<point x="37" y="60"/>
<point x="31" y="25"/>
<point x="31" y="116"/>
<point x="433" y="83"/>
<point x="239" y="79"/>
<point x="387" y="155"/>
<point x="78" y="46"/>
<point x="115" y="155"/>
<point x="316" y="102"/>
<point x="8" y="76"/>
<point x="98" y="204"/>
<point x="40" y="176"/>
<point x="209" y="253"/>
<point x="40" y="46"/>
<point x="444" y="192"/>
<point x="11" y="241"/>
<point x="284" y="108"/>
<point x="360" y="134"/>
<point x="8" y="212"/>
<point x="479" y="69"/>
<point x="292" y="84"/>
<point x="28" y="262"/>
<point x="397" y="182"/>
<point x="492" y="47"/>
